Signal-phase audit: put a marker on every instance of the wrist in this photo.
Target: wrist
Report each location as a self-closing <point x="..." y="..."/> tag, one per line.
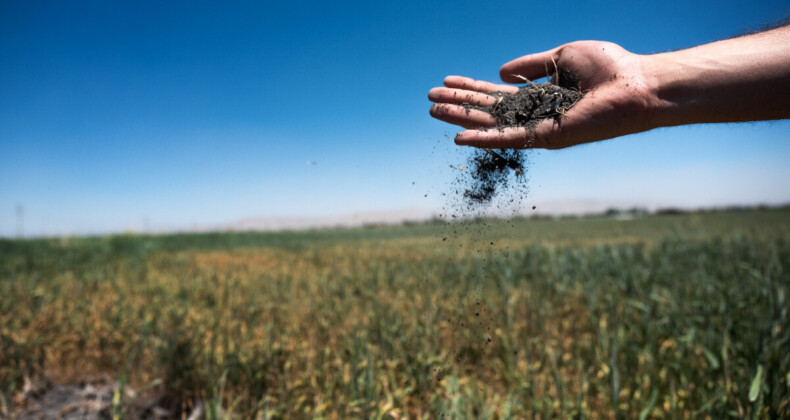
<point x="740" y="79"/>
<point x="669" y="85"/>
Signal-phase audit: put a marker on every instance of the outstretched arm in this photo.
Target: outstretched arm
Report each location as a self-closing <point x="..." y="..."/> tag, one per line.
<point x="740" y="79"/>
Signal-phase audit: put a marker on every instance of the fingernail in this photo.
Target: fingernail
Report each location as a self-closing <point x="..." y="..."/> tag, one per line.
<point x="460" y="141"/>
<point x="431" y="93"/>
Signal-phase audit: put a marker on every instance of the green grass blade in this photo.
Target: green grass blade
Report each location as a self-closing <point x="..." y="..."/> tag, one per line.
<point x="754" y="390"/>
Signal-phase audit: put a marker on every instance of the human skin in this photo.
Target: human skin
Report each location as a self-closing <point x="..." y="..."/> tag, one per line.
<point x="740" y="79"/>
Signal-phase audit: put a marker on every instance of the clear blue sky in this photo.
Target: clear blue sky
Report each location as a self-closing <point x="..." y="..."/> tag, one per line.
<point x="183" y="113"/>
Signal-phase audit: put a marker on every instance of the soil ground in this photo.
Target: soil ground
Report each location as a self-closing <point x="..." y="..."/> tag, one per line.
<point x="90" y="398"/>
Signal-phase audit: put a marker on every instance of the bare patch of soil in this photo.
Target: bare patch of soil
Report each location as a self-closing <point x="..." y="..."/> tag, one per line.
<point x="93" y="397"/>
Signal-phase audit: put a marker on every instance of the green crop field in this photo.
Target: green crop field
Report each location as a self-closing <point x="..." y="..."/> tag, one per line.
<point x="672" y="316"/>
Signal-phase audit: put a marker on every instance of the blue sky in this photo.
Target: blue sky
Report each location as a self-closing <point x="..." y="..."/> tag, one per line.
<point x="203" y="113"/>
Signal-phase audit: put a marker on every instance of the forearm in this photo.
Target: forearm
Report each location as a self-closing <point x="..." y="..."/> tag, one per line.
<point x="739" y="79"/>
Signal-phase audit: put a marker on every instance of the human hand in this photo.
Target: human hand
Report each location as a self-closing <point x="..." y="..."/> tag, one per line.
<point x="617" y="101"/>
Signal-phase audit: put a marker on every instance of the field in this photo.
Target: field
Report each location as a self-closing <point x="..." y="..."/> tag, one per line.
<point x="662" y="316"/>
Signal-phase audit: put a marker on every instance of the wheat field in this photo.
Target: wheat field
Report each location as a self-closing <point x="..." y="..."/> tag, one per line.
<point x="662" y="316"/>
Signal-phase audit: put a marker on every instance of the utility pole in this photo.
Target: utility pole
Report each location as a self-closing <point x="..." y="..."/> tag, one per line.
<point x="20" y="221"/>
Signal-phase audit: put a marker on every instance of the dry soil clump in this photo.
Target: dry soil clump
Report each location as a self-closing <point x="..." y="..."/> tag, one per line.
<point x="532" y="103"/>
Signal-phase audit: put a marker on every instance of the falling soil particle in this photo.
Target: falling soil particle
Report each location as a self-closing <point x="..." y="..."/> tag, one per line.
<point x="532" y="103"/>
<point x="490" y="170"/>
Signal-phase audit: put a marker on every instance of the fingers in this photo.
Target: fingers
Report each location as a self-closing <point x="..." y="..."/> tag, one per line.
<point x="532" y="66"/>
<point x="463" y="90"/>
<point x="546" y="135"/>
<point x="459" y="96"/>
<point x="465" y="83"/>
<point x="458" y="115"/>
<point x="506" y="138"/>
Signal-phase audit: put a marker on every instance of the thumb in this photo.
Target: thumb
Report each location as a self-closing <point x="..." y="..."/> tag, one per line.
<point x="531" y="66"/>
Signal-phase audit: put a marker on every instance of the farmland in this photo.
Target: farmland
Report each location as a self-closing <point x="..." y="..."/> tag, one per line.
<point x="661" y="316"/>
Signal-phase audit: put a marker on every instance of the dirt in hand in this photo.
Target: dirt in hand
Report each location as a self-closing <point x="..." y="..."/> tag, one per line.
<point x="489" y="169"/>
<point x="532" y="103"/>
